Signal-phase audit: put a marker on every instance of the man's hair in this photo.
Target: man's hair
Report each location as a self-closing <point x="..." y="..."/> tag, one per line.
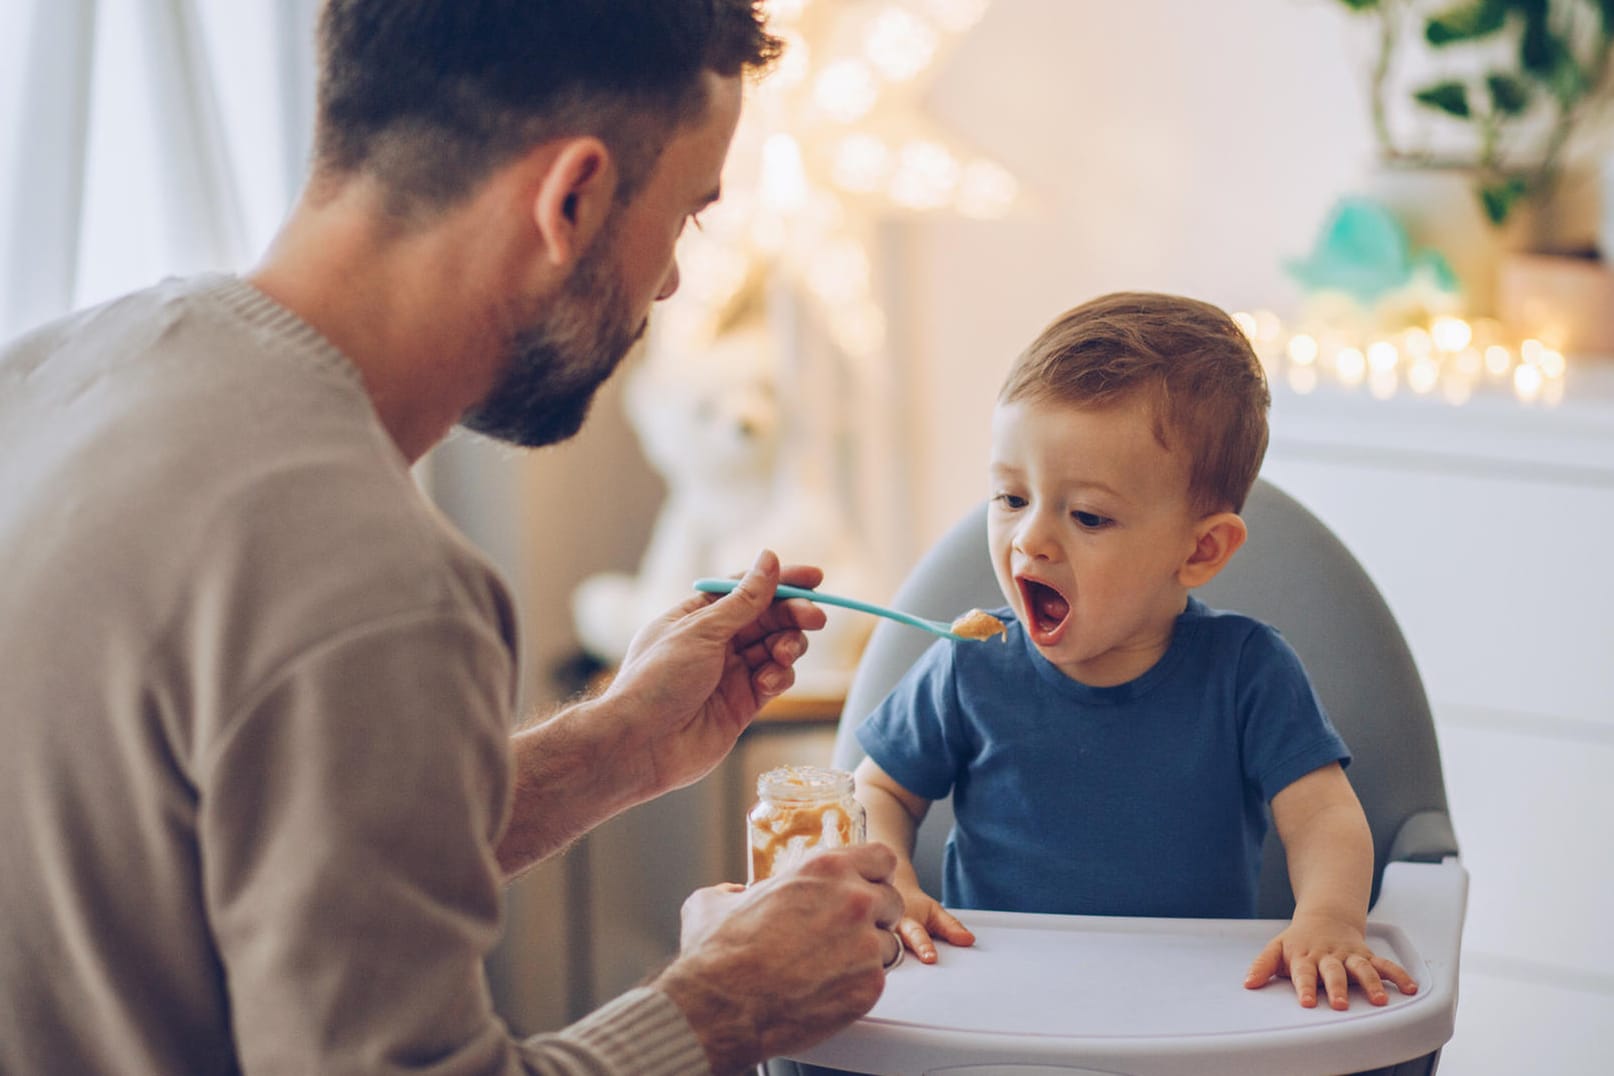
<point x="1208" y="390"/>
<point x="429" y="97"/>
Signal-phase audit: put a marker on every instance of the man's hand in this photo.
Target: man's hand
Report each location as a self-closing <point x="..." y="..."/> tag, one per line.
<point x="694" y="678"/>
<point x="1314" y="947"/>
<point x="788" y="962"/>
<point x="690" y="684"/>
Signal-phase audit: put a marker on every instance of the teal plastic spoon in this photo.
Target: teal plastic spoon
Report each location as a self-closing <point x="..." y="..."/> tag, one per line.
<point x="976" y="624"/>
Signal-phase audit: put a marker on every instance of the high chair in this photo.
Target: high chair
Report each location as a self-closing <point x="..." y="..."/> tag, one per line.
<point x="1042" y="995"/>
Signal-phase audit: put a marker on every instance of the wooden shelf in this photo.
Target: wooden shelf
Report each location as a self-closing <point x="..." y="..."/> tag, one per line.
<point x="803" y="708"/>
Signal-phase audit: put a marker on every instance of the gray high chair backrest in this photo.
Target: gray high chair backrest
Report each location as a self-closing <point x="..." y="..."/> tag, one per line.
<point x="1294" y="574"/>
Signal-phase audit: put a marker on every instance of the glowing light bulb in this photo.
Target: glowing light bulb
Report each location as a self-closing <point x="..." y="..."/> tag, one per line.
<point x="1423" y="375"/>
<point x="1246" y="323"/>
<point x="1451" y="334"/>
<point x="1268" y="326"/>
<point x="1527" y="382"/>
<point x="926" y="176"/>
<point x="956" y="16"/>
<point x="862" y="163"/>
<point x="900" y="44"/>
<point x="1531" y="351"/>
<point x="846" y="90"/>
<point x="1498" y="359"/>
<point x="1382" y="355"/>
<point x="1351" y="364"/>
<point x="1552" y="363"/>
<point x="1302" y="349"/>
<point x="986" y="190"/>
<point x="784" y="179"/>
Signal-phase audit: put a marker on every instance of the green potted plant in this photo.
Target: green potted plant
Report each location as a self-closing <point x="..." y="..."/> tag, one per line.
<point x="1506" y="83"/>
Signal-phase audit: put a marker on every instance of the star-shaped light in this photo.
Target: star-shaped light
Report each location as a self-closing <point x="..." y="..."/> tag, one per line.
<point x="830" y="143"/>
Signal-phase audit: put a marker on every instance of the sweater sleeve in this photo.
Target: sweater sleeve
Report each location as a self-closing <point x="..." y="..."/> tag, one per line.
<point x="348" y="816"/>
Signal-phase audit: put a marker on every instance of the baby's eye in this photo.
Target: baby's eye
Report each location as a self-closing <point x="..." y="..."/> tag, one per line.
<point x="1009" y="500"/>
<point x="1091" y="520"/>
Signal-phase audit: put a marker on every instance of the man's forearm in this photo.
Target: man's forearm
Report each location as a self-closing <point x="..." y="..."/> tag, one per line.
<point x="568" y="777"/>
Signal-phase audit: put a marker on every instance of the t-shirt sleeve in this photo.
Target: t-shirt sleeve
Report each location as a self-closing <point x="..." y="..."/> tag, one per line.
<point x="348" y="816"/>
<point x="916" y="734"/>
<point x="1286" y="733"/>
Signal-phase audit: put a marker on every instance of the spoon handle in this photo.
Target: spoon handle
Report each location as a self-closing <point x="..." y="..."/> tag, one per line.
<point x="784" y="590"/>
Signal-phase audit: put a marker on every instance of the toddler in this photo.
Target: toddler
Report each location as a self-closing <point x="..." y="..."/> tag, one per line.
<point x="1117" y="756"/>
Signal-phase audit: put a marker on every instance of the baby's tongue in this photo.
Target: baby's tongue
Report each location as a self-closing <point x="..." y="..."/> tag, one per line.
<point x="1051" y="608"/>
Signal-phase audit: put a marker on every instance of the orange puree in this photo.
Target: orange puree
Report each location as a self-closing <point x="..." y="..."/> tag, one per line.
<point x="977" y="624"/>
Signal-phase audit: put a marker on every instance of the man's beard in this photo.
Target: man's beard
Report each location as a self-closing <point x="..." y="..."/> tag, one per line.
<point x="557" y="363"/>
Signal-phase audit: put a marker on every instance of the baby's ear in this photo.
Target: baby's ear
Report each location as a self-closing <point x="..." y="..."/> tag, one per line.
<point x="1216" y="538"/>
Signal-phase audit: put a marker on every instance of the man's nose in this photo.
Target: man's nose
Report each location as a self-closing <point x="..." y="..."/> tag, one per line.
<point x="669" y="283"/>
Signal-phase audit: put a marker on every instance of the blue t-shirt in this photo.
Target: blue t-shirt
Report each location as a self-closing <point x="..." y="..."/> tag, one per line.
<point x="1146" y="798"/>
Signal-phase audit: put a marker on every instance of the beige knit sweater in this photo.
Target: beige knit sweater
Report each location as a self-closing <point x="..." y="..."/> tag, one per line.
<point x="254" y="701"/>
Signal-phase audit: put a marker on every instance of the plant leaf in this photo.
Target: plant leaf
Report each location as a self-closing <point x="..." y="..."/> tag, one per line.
<point x="1509" y="96"/>
<point x="1449" y="97"/>
<point x="1500" y="196"/>
<point x="1368" y="5"/>
<point x="1468" y="22"/>
<point x="1568" y="80"/>
<point x="1538" y="46"/>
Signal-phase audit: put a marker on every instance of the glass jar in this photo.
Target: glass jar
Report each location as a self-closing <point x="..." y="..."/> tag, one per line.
<point x="799" y="808"/>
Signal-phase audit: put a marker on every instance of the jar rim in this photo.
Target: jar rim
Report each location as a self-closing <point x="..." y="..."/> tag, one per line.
<point x="798" y="783"/>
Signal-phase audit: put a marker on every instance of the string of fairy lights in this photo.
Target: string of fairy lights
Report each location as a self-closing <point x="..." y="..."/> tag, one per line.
<point x="1450" y="357"/>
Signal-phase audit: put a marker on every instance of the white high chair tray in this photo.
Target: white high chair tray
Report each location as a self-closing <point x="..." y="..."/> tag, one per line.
<point x="1064" y="994"/>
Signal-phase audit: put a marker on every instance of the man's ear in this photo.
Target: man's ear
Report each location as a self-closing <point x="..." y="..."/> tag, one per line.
<point x="1216" y="538"/>
<point x="574" y="196"/>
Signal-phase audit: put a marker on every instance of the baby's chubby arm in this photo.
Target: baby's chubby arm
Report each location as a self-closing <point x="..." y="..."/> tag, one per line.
<point x="1330" y="851"/>
<point x="894" y="817"/>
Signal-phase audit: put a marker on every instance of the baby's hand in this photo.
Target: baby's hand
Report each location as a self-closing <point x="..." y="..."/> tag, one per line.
<point x="1334" y="949"/>
<point x="924" y="917"/>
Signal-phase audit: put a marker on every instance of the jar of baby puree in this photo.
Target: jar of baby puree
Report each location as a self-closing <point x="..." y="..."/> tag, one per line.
<point x="799" y="808"/>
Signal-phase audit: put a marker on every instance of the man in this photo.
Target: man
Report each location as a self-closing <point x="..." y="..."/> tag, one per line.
<point x="257" y="791"/>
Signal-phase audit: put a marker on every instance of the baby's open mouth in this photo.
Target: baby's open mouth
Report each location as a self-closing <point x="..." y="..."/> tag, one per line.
<point x="1046" y="608"/>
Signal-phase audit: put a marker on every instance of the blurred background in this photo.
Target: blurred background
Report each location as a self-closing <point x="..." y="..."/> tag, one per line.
<point x="1404" y="209"/>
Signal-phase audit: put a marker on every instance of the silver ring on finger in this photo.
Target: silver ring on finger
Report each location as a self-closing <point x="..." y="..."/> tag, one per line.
<point x="894" y="961"/>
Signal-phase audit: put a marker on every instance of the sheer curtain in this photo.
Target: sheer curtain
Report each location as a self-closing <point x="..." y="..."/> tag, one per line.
<point x="141" y="139"/>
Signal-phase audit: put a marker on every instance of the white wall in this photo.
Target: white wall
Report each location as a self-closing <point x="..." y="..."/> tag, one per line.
<point x="1163" y="144"/>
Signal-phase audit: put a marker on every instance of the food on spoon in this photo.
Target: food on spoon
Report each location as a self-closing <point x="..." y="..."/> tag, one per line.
<point x="977" y="624"/>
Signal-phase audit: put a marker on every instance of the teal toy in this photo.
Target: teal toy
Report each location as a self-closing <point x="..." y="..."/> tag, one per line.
<point x="1365" y="253"/>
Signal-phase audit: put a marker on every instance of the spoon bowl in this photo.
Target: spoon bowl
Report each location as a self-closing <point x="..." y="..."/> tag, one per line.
<point x="946" y="629"/>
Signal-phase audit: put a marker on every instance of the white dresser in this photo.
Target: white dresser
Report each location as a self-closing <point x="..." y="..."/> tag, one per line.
<point x="1490" y="529"/>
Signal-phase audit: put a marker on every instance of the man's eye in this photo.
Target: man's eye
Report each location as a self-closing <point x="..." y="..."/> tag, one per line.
<point x="1090" y="520"/>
